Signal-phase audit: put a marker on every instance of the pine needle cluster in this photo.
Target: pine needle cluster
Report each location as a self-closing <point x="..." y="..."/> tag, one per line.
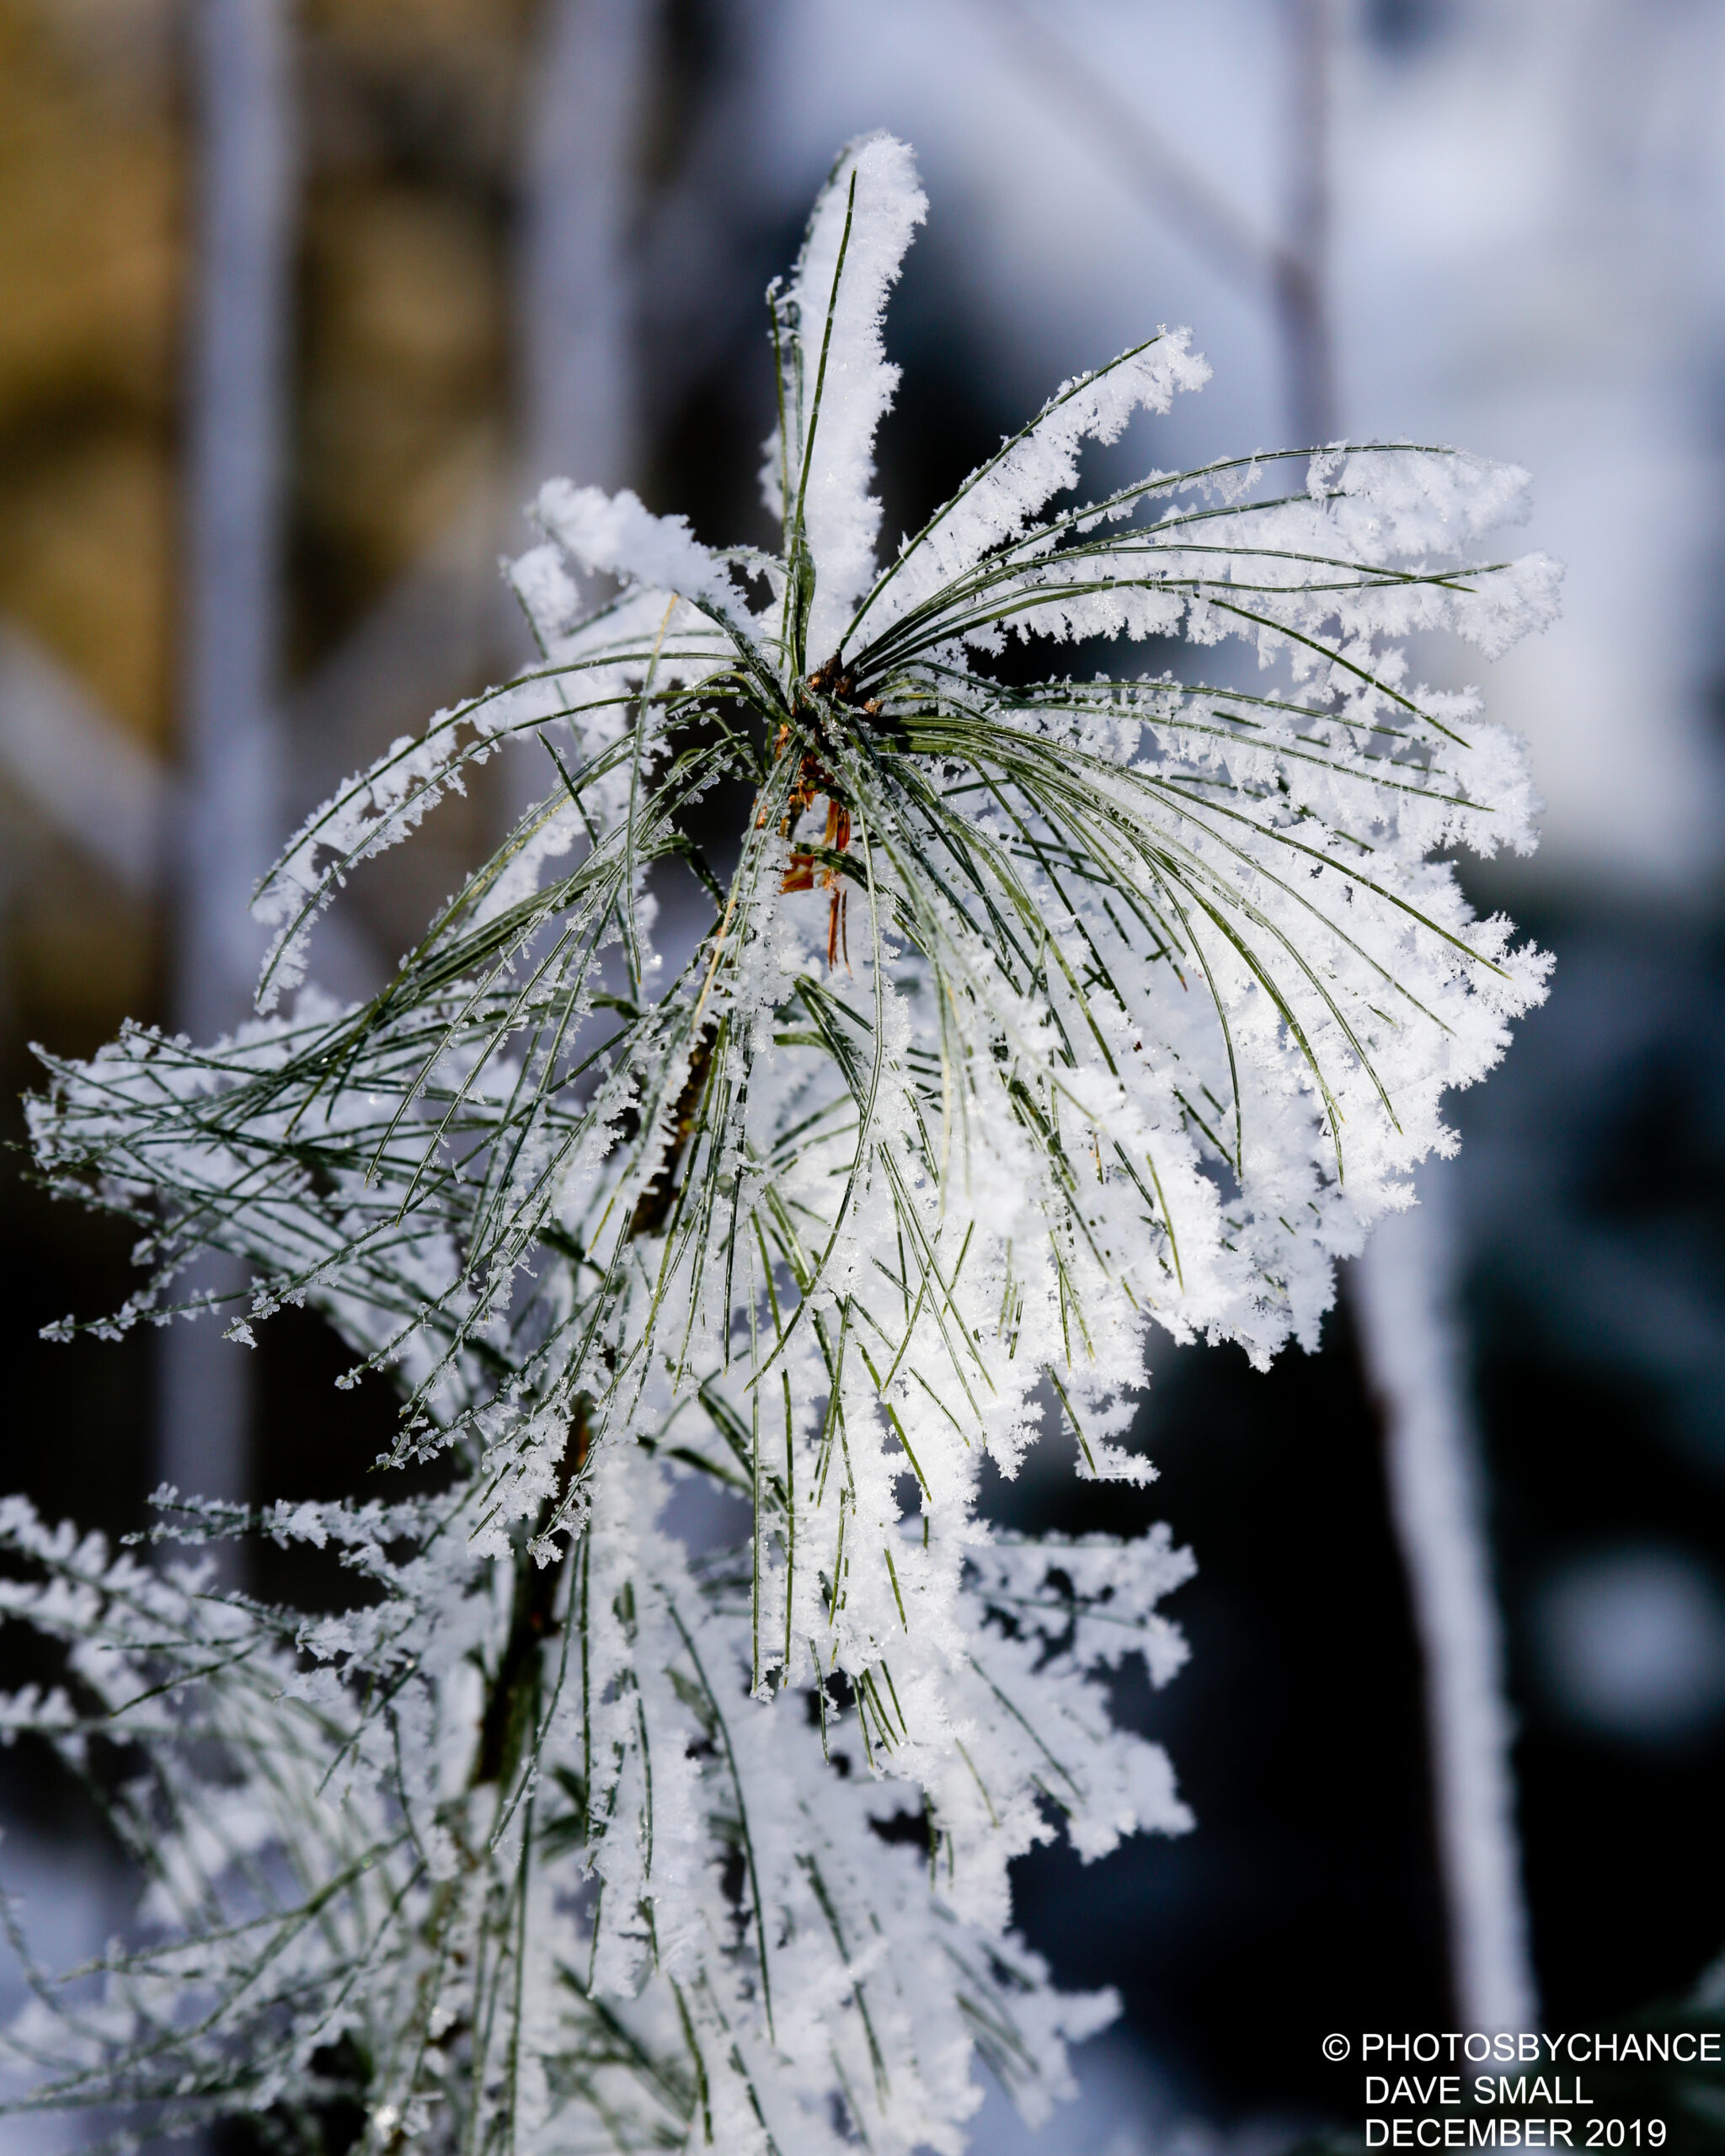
<point x="1027" y="1018"/>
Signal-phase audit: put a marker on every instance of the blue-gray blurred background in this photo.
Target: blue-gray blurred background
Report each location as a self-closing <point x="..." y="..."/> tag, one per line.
<point x="494" y="238"/>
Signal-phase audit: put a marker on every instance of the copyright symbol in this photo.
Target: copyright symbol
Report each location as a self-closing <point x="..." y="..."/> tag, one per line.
<point x="1336" y="2048"/>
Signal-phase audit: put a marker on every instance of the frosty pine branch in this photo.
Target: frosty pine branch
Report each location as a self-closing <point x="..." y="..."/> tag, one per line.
<point x="1028" y="1019"/>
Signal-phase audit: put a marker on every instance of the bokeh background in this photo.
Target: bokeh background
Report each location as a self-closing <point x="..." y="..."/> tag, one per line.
<point x="472" y="242"/>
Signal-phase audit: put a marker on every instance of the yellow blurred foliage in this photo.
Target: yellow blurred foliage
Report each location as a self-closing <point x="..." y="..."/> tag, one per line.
<point x="406" y="118"/>
<point x="91" y="266"/>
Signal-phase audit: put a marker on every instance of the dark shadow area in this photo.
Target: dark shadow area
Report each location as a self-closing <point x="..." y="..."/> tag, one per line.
<point x="1308" y="1891"/>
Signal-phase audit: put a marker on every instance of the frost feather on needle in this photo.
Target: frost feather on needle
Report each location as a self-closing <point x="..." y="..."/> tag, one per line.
<point x="1030" y="1018"/>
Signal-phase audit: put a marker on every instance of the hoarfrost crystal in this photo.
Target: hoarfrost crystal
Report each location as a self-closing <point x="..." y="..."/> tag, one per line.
<point x="1028" y="1019"/>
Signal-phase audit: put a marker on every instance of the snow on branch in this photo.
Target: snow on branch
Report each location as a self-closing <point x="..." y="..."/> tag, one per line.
<point x="1030" y="1018"/>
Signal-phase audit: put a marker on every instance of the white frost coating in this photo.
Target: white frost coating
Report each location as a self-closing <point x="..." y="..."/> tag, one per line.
<point x="1028" y="1019"/>
<point x="1000" y="498"/>
<point x="615" y="534"/>
<point x="867" y="214"/>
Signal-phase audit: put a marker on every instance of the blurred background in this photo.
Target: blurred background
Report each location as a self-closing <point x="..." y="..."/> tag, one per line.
<point x="299" y="301"/>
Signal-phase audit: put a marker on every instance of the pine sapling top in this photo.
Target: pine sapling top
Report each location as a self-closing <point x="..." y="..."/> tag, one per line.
<point x="1027" y="1020"/>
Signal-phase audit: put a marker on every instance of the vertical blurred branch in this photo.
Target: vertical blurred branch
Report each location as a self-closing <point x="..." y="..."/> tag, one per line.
<point x="1300" y="265"/>
<point x="237" y="369"/>
<point x="576" y="297"/>
<point x="1404" y="1295"/>
<point x="1404" y="1282"/>
<point x="1404" y="1290"/>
